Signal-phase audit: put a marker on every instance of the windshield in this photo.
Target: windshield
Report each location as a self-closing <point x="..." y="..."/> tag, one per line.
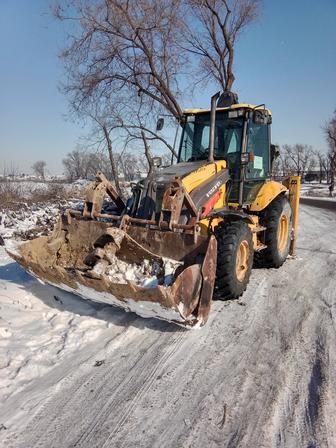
<point x="195" y="137"/>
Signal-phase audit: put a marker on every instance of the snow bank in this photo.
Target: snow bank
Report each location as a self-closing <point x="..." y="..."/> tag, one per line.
<point x="39" y="327"/>
<point x="29" y="189"/>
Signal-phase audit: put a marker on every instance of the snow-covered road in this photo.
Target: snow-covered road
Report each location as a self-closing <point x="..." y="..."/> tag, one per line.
<point x="261" y="373"/>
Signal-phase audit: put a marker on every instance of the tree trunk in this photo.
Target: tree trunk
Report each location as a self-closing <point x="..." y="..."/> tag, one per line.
<point x="332" y="182"/>
<point x="230" y="81"/>
<point x="148" y="154"/>
<point x="112" y="161"/>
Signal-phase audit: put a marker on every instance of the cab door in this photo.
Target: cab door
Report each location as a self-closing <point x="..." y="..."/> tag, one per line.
<point x="258" y="169"/>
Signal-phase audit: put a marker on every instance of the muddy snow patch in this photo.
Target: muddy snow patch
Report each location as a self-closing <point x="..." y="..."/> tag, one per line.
<point x="148" y="274"/>
<point x="31" y="221"/>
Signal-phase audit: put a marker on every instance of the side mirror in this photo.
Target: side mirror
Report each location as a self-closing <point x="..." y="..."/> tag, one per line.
<point x="157" y="162"/>
<point x="246" y="157"/>
<point x="159" y="124"/>
<point x="275" y="152"/>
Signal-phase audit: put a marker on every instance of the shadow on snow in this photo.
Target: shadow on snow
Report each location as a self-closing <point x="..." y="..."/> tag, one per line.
<point x="62" y="300"/>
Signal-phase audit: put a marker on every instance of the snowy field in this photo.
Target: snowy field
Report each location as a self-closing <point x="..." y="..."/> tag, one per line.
<point x="29" y="188"/>
<point x="316" y="190"/>
<point x="261" y="373"/>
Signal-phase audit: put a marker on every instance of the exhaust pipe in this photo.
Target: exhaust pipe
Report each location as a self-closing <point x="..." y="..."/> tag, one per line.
<point x="214" y="99"/>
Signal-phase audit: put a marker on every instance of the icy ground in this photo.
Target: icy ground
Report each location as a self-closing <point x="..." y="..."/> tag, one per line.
<point x="317" y="190"/>
<point x="261" y="373"/>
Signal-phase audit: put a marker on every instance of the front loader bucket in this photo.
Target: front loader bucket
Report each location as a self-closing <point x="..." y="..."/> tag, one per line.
<point x="164" y="274"/>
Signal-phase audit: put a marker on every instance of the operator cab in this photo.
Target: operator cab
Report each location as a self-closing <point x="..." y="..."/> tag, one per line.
<point x="242" y="139"/>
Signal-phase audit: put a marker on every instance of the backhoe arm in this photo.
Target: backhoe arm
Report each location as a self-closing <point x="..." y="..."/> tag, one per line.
<point x="293" y="184"/>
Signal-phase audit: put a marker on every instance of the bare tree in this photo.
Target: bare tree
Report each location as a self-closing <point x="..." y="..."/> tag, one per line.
<point x="287" y="165"/>
<point x="277" y="168"/>
<point x="83" y="164"/>
<point x="129" y="125"/>
<point x="76" y="164"/>
<point x="125" y="46"/>
<point x="130" y="54"/>
<point x="298" y="158"/>
<point x="213" y="33"/>
<point x="103" y="119"/>
<point x="148" y="154"/>
<point x="39" y="168"/>
<point x="137" y="130"/>
<point x="130" y="165"/>
<point x="330" y="132"/>
<point x="166" y="159"/>
<point x="103" y="124"/>
<point x="125" y="56"/>
<point x="323" y="164"/>
<point x="10" y="170"/>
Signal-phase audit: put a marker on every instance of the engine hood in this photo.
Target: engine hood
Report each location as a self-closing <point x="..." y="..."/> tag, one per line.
<point x="165" y="175"/>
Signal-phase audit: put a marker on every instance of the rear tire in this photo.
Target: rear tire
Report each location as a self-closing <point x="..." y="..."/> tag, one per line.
<point x="234" y="259"/>
<point x="277" y="218"/>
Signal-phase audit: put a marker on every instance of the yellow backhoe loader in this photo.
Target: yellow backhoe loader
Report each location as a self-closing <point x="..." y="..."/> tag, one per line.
<point x="189" y="233"/>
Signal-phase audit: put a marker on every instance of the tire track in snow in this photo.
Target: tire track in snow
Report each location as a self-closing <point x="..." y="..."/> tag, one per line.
<point x="63" y="378"/>
<point x="271" y="362"/>
<point x="131" y="390"/>
<point x="243" y="427"/>
<point x="298" y="408"/>
<point x="114" y="390"/>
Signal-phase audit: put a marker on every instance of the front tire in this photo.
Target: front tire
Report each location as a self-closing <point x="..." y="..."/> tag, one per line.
<point x="277" y="218"/>
<point x="234" y="259"/>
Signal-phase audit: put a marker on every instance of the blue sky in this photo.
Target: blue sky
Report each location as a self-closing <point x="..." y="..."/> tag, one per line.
<point x="287" y="60"/>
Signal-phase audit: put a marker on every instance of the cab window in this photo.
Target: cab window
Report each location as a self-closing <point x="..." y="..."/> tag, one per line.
<point x="196" y="132"/>
<point x="258" y="144"/>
